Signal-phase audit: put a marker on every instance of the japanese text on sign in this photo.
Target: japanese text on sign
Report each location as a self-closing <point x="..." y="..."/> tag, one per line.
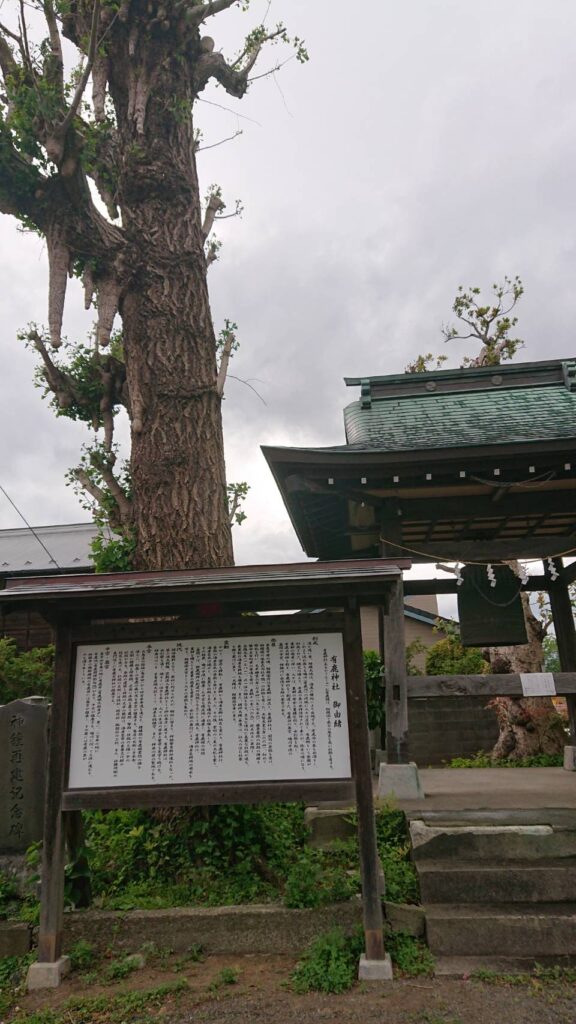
<point x="237" y="709"/>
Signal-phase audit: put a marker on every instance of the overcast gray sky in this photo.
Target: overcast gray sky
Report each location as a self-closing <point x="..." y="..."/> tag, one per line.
<point x="425" y="145"/>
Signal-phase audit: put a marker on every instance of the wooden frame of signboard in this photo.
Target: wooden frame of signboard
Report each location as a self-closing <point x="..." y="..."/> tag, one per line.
<point x="106" y="612"/>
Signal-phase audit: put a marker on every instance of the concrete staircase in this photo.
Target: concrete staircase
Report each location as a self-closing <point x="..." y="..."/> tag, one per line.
<point x="498" y="888"/>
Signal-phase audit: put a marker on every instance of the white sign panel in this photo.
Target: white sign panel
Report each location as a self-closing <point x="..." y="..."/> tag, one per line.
<point x="237" y="709"/>
<point x="538" y="684"/>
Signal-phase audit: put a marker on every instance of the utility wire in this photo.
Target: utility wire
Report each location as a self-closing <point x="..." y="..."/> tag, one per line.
<point x="31" y="528"/>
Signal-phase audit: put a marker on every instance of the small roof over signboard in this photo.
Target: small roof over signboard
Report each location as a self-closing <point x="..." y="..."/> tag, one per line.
<point x="255" y="588"/>
<point x="476" y="463"/>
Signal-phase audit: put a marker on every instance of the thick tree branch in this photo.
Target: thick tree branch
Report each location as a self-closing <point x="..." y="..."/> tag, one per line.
<point x="215" y="205"/>
<point x="224" y="363"/>
<point x="234" y="507"/>
<point x="213" y="65"/>
<point x="199" y="12"/>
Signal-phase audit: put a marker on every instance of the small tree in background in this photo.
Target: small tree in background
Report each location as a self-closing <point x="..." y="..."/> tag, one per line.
<point x="26" y="673"/>
<point x="527" y="725"/>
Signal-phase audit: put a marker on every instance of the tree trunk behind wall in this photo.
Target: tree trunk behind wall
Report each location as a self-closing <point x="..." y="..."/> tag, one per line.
<point x="528" y="725"/>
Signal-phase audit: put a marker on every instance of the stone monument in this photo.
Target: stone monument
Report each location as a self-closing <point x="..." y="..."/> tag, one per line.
<point x="23" y="727"/>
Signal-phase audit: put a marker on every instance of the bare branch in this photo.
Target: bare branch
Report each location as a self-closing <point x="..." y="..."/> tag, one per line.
<point x="83" y="478"/>
<point x="80" y="88"/>
<point x="58" y="382"/>
<point x="24" y="35"/>
<point x="116" y="489"/>
<point x="57" y="71"/>
<point x="230" y="138"/>
<point x="248" y="385"/>
<point x="272" y="71"/>
<point x="11" y="35"/>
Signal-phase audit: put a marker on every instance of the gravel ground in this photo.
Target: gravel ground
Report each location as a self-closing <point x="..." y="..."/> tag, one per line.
<point x="261" y="995"/>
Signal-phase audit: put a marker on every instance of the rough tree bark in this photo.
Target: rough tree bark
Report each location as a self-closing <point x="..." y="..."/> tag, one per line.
<point x="528" y="725"/>
<point x="178" y="472"/>
<point x="148" y="60"/>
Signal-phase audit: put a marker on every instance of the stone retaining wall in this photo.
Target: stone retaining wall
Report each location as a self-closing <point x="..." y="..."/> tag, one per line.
<point x="247" y="929"/>
<point x="440" y="728"/>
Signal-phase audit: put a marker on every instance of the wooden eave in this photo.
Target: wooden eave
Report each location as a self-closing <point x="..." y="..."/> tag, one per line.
<point x="488" y="502"/>
<point x="208" y="592"/>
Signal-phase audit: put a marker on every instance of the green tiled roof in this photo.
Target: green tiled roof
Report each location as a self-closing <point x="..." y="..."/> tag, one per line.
<point x="462" y="418"/>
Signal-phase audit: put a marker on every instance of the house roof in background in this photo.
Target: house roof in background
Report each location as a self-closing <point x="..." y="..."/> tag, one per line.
<point x="68" y="548"/>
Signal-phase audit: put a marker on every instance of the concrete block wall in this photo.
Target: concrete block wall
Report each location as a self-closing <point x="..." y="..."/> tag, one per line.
<point x="441" y="728"/>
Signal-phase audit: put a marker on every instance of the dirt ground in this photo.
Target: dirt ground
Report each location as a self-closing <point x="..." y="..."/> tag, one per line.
<point x="261" y="995"/>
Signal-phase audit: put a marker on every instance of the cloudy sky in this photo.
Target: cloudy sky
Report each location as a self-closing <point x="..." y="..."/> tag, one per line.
<point x="425" y="145"/>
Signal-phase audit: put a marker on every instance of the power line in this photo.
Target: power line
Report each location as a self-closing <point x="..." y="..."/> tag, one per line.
<point x="31" y="528"/>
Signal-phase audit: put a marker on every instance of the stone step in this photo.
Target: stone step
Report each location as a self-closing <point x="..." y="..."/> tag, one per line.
<point x="450" y="881"/>
<point x="561" y="817"/>
<point x="509" y="930"/>
<point x="467" y="966"/>
<point x="490" y="841"/>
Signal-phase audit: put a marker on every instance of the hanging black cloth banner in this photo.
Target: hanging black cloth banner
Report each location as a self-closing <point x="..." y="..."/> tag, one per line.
<point x="490" y="616"/>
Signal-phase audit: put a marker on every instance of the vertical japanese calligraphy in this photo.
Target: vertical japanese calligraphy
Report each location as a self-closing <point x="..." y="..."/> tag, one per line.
<point x="16" y="790"/>
<point x="213" y="710"/>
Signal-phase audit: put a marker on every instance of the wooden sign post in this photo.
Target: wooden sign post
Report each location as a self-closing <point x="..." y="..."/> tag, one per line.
<point x="166" y="694"/>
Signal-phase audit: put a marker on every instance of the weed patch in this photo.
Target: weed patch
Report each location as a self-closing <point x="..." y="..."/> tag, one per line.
<point x="82" y="955"/>
<point x="482" y="760"/>
<point x="329" y="965"/>
<point x="227" y="976"/>
<point x="410" y="956"/>
<point x="117" y="1009"/>
<point x="540" y="978"/>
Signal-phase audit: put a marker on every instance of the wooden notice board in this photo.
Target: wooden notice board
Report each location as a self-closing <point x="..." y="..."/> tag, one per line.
<point x="171" y="691"/>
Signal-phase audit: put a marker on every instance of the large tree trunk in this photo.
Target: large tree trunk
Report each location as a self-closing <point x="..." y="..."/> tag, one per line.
<point x="178" y="471"/>
<point x="528" y="725"/>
